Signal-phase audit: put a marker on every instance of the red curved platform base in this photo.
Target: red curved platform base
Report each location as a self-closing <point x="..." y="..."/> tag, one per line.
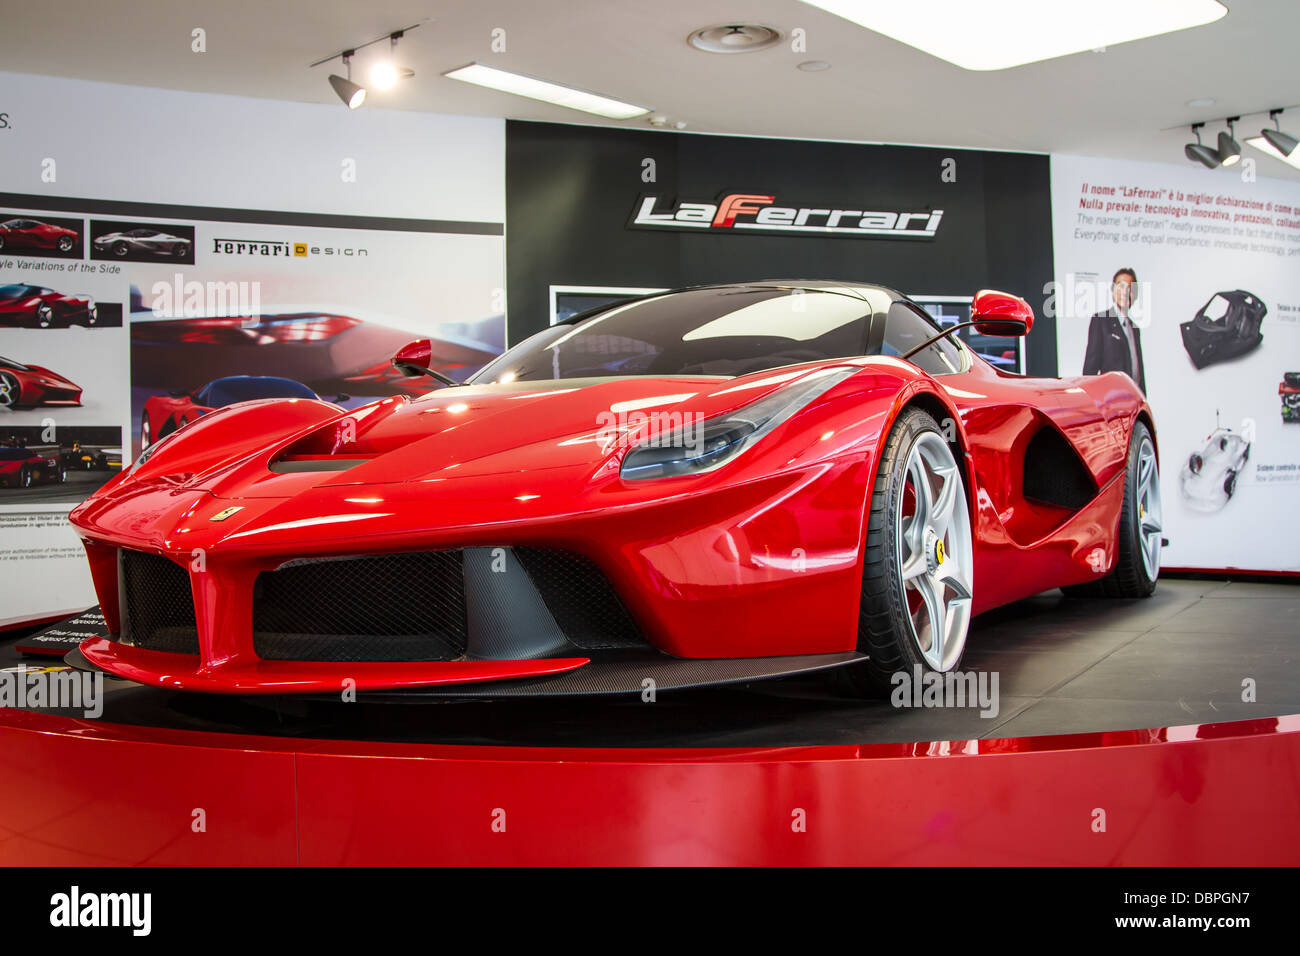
<point x="83" y="792"/>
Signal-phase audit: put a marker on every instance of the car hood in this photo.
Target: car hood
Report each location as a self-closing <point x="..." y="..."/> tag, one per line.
<point x="484" y="430"/>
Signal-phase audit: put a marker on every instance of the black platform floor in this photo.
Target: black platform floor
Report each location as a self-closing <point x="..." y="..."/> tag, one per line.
<point x="1064" y="666"/>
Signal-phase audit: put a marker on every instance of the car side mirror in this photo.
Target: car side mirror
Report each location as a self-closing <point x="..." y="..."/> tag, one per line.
<point x="413" y="359"/>
<point x="1000" y="313"/>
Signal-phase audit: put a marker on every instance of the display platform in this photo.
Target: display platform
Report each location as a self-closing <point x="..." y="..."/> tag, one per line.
<point x="779" y="771"/>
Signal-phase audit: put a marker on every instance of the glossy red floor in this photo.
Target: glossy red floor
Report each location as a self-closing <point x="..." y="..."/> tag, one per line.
<point x="81" y="792"/>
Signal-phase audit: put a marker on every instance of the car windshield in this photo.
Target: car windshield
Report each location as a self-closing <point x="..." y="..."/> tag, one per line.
<point x="227" y="391"/>
<point x="9" y="363"/>
<point x="15" y="291"/>
<point x="731" y="330"/>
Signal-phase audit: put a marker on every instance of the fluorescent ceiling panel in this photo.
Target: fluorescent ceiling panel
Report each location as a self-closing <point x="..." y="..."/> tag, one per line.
<point x="998" y="34"/>
<point x="536" y="89"/>
<point x="1264" y="146"/>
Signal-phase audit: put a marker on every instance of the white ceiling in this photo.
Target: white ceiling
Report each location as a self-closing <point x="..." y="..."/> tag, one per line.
<point x="1116" y="103"/>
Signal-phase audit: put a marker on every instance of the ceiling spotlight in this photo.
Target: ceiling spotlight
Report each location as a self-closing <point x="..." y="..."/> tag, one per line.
<point x="1229" y="149"/>
<point x="1201" y="153"/>
<point x="352" y="94"/>
<point x="1284" y="143"/>
<point x="385" y="74"/>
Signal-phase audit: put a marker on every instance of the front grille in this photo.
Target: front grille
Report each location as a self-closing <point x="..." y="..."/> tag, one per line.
<point x="390" y="607"/>
<point x="159" y="604"/>
<point x="581" y="600"/>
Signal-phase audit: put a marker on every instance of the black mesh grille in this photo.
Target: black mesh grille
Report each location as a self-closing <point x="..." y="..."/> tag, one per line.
<point x="159" y="604"/>
<point x="391" y="607"/>
<point x="580" y="599"/>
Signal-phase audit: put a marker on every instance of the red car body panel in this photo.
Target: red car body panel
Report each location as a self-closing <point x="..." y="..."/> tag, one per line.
<point x="41" y="386"/>
<point x="41" y="235"/>
<point x="702" y="562"/>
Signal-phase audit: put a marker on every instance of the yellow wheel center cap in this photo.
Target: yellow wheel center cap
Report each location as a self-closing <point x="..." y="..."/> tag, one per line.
<point x="938" y="552"/>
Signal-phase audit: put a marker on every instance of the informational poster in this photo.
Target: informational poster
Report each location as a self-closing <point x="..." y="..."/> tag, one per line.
<point x="1189" y="279"/>
<point x="125" y="314"/>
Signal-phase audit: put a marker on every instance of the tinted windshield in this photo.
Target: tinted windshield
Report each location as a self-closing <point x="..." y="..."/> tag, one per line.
<point x="729" y="331"/>
<point x="227" y="391"/>
<point x="15" y="291"/>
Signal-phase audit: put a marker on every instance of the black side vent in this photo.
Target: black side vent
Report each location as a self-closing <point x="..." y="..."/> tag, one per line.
<point x="581" y="600"/>
<point x="389" y="607"/>
<point x="158" y="613"/>
<point x="1054" y="474"/>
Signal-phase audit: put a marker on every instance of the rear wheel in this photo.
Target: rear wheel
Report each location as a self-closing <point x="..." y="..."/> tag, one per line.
<point x="918" y="566"/>
<point x="25" y="479"/>
<point x="1141" y="527"/>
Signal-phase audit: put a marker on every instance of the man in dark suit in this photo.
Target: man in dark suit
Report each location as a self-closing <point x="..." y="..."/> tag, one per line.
<point x="1114" y="343"/>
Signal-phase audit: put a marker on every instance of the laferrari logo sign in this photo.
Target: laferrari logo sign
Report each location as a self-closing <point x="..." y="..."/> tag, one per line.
<point x="752" y="212"/>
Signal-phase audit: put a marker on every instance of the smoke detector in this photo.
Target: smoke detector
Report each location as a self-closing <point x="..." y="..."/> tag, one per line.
<point x="734" y="38"/>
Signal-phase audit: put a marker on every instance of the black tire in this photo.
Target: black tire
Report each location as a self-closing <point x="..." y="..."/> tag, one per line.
<point x="146" y="435"/>
<point x="62" y="475"/>
<point x="2" y="242"/>
<point x="179" y="251"/>
<point x="1230" y="484"/>
<point x="25" y="479"/>
<point x="1195" y="464"/>
<point x="44" y="316"/>
<point x="120" y="249"/>
<point x="65" y="244"/>
<point x="1128" y="579"/>
<point x="885" y="632"/>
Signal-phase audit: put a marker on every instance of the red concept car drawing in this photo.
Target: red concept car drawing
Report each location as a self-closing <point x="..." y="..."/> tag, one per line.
<point x="35" y="306"/>
<point x="328" y="351"/>
<point x="26" y="385"/>
<point x="24" y="467"/>
<point x="163" y="414"/>
<point x="701" y="486"/>
<point x="32" y="234"/>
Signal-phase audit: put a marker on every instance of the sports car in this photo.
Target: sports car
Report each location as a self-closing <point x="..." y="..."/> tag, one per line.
<point x="327" y="350"/>
<point x="91" y="458"/>
<point x="163" y="414"/>
<point x="24" y="467"/>
<point x="32" y="234"/>
<point x="142" y="240"/>
<point x="704" y="486"/>
<point x="42" y="308"/>
<point x="27" y="385"/>
<point x="1209" y="476"/>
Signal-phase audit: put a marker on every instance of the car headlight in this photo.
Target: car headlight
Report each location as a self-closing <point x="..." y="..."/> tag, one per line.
<point x="711" y="444"/>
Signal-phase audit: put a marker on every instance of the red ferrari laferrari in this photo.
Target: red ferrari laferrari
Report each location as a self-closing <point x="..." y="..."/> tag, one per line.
<point x="42" y="308"/>
<point x="26" y="385"/>
<point x="34" y="235"/>
<point x="696" y="487"/>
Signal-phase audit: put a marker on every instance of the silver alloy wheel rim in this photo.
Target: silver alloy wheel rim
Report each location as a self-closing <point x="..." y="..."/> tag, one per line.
<point x="8" y="391"/>
<point x="941" y="578"/>
<point x="44" y="316"/>
<point x="144" y="432"/>
<point x="1150" y="511"/>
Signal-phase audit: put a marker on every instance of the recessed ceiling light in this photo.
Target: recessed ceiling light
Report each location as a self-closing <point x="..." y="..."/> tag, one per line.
<point x="547" y="92"/>
<point x="734" y="38"/>
<point x="999" y="34"/>
<point x="1264" y="146"/>
<point x="1203" y="102"/>
<point x="814" y="66"/>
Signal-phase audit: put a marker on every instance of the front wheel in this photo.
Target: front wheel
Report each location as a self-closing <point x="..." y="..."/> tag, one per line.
<point x="10" y="390"/>
<point x="918" y="564"/>
<point x="44" y="315"/>
<point x="65" y="243"/>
